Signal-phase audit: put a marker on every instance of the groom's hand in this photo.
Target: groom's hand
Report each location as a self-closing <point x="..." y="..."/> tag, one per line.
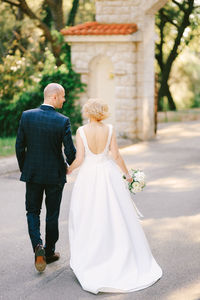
<point x="69" y="171"/>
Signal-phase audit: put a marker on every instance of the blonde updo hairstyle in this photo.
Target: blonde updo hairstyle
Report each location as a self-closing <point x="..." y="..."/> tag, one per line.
<point x="95" y="108"/>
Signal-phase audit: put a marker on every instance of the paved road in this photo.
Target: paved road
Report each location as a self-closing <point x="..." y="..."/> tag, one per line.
<point x="170" y="204"/>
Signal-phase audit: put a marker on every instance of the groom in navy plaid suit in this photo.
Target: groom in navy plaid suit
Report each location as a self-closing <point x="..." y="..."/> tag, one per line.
<point x="41" y="134"/>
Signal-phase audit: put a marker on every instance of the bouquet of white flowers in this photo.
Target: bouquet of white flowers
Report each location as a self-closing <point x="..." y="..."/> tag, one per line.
<point x="136" y="185"/>
<point x="138" y="182"/>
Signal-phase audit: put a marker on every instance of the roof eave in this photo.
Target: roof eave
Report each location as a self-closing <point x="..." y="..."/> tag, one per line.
<point x="134" y="37"/>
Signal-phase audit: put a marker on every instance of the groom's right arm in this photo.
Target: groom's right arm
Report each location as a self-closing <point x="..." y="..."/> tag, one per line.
<point x="69" y="149"/>
<point x="20" y="145"/>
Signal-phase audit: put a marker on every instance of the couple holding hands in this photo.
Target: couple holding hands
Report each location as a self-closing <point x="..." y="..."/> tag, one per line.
<point x="108" y="248"/>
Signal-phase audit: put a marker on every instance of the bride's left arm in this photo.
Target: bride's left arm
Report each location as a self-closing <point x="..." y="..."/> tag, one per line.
<point x="79" y="153"/>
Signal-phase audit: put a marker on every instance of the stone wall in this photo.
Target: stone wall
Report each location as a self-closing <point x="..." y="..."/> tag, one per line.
<point x="134" y="11"/>
<point x="145" y="80"/>
<point x="132" y="57"/>
<point x="124" y="59"/>
<point x="118" y="11"/>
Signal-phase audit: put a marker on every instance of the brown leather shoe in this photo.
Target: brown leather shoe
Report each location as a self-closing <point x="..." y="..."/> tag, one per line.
<point x="40" y="259"/>
<point x="53" y="257"/>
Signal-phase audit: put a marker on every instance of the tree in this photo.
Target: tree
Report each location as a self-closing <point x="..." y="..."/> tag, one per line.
<point x="25" y="50"/>
<point x="21" y="57"/>
<point x="11" y="112"/>
<point x="185" y="77"/>
<point x="54" y="9"/>
<point x="171" y="22"/>
<point x="72" y="14"/>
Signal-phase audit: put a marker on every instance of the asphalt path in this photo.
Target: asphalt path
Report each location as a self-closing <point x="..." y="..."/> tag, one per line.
<point x="170" y="204"/>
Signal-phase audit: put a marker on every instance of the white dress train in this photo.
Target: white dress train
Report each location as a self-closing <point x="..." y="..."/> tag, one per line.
<point x="108" y="248"/>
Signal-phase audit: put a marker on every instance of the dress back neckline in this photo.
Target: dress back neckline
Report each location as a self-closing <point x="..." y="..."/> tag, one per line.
<point x="85" y="142"/>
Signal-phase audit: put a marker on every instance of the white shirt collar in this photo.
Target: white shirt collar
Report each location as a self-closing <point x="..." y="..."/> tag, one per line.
<point x="48" y="105"/>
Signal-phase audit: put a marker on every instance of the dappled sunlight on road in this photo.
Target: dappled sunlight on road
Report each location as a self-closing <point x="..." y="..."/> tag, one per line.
<point x="189" y="292"/>
<point x="172" y="127"/>
<point x="175" y="241"/>
<point x="168" y="140"/>
<point x="178" y="132"/>
<point x="195" y="168"/>
<point x="135" y="149"/>
<point x="167" y="229"/>
<point x="173" y="183"/>
<point x="189" y="134"/>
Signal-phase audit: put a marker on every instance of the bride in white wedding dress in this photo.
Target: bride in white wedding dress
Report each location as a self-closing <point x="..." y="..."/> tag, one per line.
<point x="108" y="248"/>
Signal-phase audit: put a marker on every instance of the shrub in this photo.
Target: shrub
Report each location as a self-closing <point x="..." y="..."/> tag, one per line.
<point x="11" y="113"/>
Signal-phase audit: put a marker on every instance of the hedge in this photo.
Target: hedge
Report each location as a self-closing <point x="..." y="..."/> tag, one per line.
<point x="10" y="114"/>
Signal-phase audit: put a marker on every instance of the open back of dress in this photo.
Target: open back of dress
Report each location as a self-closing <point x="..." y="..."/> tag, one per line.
<point x="96" y="138"/>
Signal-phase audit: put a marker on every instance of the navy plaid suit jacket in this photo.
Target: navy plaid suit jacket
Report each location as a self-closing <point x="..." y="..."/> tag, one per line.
<point x="41" y="134"/>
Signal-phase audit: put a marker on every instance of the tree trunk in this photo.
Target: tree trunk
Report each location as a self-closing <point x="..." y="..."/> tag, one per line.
<point x="56" y="7"/>
<point x="71" y="22"/>
<point x="171" y="103"/>
<point x="165" y="91"/>
<point x="72" y="14"/>
<point x="165" y="66"/>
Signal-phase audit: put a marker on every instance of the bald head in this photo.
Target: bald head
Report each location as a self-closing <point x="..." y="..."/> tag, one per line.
<point x="52" y="89"/>
<point x="54" y="94"/>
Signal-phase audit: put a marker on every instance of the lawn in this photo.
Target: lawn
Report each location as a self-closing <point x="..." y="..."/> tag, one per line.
<point x="7" y="146"/>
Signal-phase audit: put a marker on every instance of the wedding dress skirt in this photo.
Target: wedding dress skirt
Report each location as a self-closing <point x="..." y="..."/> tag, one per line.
<point x="108" y="248"/>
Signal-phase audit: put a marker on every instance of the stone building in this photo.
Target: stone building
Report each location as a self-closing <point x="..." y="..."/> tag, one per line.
<point x="115" y="57"/>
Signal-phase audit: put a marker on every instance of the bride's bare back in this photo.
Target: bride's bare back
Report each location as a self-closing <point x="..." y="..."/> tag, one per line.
<point x="97" y="136"/>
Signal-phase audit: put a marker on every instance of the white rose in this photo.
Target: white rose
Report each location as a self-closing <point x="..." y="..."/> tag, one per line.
<point x="142" y="183"/>
<point x="136" y="187"/>
<point x="139" y="176"/>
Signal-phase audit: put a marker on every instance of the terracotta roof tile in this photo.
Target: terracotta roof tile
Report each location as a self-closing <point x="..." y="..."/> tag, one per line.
<point x="95" y="28"/>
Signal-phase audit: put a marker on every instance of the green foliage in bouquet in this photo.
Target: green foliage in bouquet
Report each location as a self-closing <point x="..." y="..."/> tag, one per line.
<point x="138" y="182"/>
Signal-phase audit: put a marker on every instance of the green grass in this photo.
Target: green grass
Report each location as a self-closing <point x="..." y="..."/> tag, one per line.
<point x="7" y="146"/>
